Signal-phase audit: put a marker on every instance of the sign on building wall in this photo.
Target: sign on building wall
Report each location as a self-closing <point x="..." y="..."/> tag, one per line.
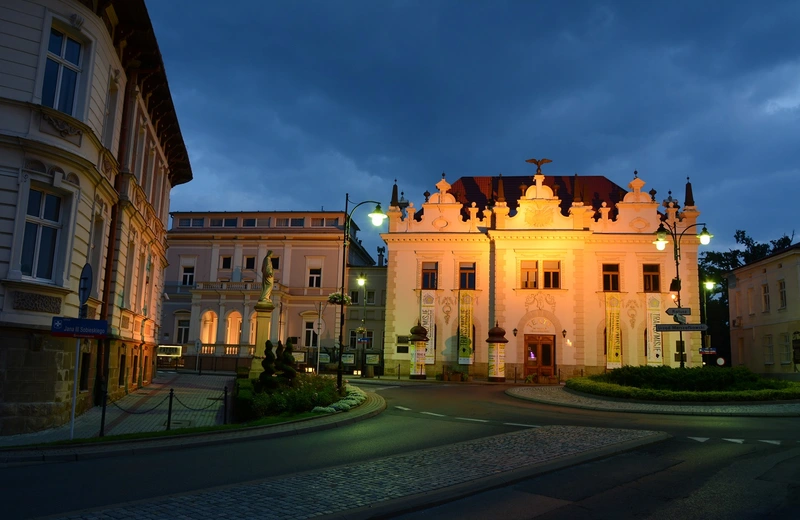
<point x="428" y="320"/>
<point x="654" y="354"/>
<point x="466" y="349"/>
<point x="613" y="333"/>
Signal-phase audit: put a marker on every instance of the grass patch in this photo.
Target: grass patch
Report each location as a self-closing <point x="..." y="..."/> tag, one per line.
<point x="685" y="384"/>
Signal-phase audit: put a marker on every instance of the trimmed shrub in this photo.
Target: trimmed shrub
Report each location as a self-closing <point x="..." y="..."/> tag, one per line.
<point x="308" y="392"/>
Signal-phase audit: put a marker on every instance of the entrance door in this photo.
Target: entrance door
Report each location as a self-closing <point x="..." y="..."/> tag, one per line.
<point x="540" y="355"/>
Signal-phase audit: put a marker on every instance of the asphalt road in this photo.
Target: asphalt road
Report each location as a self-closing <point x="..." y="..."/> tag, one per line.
<point x="420" y="417"/>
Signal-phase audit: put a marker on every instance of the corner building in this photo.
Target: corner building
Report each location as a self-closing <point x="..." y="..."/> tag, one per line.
<point x="569" y="269"/>
<point x="90" y="147"/>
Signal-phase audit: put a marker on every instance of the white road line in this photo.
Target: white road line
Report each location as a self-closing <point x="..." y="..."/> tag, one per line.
<point x="520" y="424"/>
<point x="776" y="443"/>
<point x="737" y="441"/>
<point x="469" y="419"/>
<point x="700" y="439"/>
<point x="403" y="408"/>
<point x="380" y="388"/>
<point x="433" y="414"/>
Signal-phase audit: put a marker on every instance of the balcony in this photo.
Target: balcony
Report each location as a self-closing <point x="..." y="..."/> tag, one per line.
<point x="228" y="286"/>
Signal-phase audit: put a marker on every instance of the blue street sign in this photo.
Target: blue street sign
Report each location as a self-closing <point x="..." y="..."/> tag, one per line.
<point x="79" y="327"/>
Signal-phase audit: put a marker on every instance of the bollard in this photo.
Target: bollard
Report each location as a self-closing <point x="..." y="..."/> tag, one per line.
<point x="103" y="415"/>
<point x="225" y="405"/>
<point x="169" y="410"/>
<point x="515" y="374"/>
<point x="398" y="371"/>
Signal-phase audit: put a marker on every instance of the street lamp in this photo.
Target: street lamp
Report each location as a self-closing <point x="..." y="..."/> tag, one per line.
<point x="661" y="244"/>
<point x="377" y="217"/>
<point x="362" y="282"/>
<point x="709" y="285"/>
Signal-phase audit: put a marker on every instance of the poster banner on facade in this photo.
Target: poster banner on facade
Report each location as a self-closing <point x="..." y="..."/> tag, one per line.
<point x="654" y="354"/>
<point x="613" y="333"/>
<point x="466" y="349"/>
<point x="428" y="320"/>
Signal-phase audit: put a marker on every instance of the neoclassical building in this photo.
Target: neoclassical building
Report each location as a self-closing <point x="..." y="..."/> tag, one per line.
<point x="214" y="281"/>
<point x="567" y="266"/>
<point x="90" y="147"/>
<point x="764" y="311"/>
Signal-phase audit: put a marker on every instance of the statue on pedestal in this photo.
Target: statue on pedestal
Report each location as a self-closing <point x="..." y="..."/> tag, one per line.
<point x="267" y="279"/>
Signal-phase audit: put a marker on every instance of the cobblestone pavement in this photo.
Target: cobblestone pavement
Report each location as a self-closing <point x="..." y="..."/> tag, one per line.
<point x="197" y="401"/>
<point x="392" y="484"/>
<point x="558" y="395"/>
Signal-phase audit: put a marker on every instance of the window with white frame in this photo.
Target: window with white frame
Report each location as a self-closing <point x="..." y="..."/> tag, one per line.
<point x="430" y="272"/>
<point x="315" y="277"/>
<point x="528" y="273"/>
<point x="182" y="331"/>
<point x="466" y="275"/>
<point x="551" y="269"/>
<point x="249" y="262"/>
<point x="786" y="349"/>
<point x="782" y="293"/>
<point x="40" y="241"/>
<point x="354" y="298"/>
<point x="187" y="275"/>
<point x="610" y="277"/>
<point x="765" y="298"/>
<point x="225" y="262"/>
<point x="311" y="338"/>
<point x="402" y="344"/>
<point x="769" y="354"/>
<point x="651" y="274"/>
<point x="370" y="298"/>
<point x="62" y="72"/>
<point x="276" y="262"/>
<point x="361" y="339"/>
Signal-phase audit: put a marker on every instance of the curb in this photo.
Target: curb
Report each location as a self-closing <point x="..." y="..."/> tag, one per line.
<point x="372" y="406"/>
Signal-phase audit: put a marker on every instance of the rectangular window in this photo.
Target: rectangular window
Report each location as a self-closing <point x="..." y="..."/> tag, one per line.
<point x="197" y="222"/>
<point x="466" y="275"/>
<point x="61" y="72"/>
<point x="216" y="222"/>
<point x="370" y="298"/>
<point x="528" y="273"/>
<point x="121" y="380"/>
<point x="352" y="340"/>
<point x="249" y="262"/>
<point x="782" y="293"/>
<point x="187" y="276"/>
<point x="750" y="301"/>
<point x="402" y="344"/>
<point x="248" y="222"/>
<point x="317" y="222"/>
<point x="332" y="222"/>
<point x="652" y="277"/>
<point x="230" y="222"/>
<point x="552" y="274"/>
<point x="298" y="222"/>
<point x="310" y="334"/>
<point x="40" y="239"/>
<point x="354" y="296"/>
<point x="225" y="262"/>
<point x="182" y="333"/>
<point x="786" y="349"/>
<point x="281" y="222"/>
<point x="276" y="262"/>
<point x="610" y="277"/>
<point x="315" y="277"/>
<point x="765" y="298"/>
<point x="184" y="222"/>
<point x="429" y="274"/>
<point x="769" y="355"/>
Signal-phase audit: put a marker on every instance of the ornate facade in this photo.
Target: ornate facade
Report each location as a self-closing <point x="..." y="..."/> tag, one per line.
<point x="568" y="268"/>
<point x="90" y="147"/>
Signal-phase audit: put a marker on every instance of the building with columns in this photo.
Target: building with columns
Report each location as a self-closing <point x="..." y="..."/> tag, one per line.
<point x="214" y="281"/>
<point x="90" y="147"/>
<point x="566" y="265"/>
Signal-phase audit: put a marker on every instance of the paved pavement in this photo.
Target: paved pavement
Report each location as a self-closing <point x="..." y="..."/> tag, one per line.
<point x="380" y="487"/>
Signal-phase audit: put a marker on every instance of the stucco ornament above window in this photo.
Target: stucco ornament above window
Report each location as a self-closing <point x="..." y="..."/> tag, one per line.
<point x="339" y="299"/>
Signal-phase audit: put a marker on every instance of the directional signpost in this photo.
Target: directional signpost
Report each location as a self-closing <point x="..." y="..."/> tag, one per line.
<point x="676" y="327"/>
<point x="683" y="311"/>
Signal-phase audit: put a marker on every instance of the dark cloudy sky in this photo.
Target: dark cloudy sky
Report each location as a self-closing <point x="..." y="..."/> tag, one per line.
<point x="288" y="105"/>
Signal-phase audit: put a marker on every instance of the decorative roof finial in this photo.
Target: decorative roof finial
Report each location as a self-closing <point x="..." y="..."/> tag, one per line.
<point x="538" y="164"/>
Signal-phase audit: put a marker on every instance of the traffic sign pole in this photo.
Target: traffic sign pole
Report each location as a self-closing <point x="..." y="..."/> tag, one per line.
<point x="84" y="288"/>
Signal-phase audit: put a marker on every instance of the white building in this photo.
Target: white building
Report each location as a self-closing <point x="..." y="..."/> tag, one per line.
<point x="569" y="269"/>
<point x="90" y="147"/>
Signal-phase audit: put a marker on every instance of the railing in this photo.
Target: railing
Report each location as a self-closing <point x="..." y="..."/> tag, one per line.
<point x="228" y="286"/>
<point x="241" y="351"/>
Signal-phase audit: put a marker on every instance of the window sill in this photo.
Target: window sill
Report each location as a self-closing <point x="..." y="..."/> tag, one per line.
<point x="38" y="286"/>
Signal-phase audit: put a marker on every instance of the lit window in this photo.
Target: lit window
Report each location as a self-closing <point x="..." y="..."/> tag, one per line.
<point x="528" y="269"/>
<point x="611" y="277"/>
<point x="552" y="274"/>
<point x="466" y="275"/>
<point x="40" y="241"/>
<point x="61" y="72"/>
<point x="652" y="277"/>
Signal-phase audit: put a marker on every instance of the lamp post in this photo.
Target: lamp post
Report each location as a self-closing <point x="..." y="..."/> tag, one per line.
<point x="320" y="309"/>
<point x="709" y="285"/>
<point x="661" y="244"/>
<point x="362" y="282"/>
<point x="377" y="217"/>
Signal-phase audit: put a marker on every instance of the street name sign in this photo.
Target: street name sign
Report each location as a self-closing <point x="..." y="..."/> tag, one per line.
<point x="708" y="351"/>
<point x="674" y="327"/>
<point x="78" y="327"/>
<point x="685" y="311"/>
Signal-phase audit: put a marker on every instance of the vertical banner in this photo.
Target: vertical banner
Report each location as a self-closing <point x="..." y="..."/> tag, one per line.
<point x="466" y="349"/>
<point x="655" y="356"/>
<point x="427" y="315"/>
<point x="613" y="333"/>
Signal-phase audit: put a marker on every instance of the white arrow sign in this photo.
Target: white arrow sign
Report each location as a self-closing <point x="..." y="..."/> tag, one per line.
<point x="685" y="311"/>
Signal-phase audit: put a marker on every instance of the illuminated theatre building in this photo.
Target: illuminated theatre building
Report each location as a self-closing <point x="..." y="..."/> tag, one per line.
<point x="568" y="269"/>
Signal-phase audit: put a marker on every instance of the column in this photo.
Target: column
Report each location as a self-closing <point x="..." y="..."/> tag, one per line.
<point x="263" y="325"/>
<point x="222" y="322"/>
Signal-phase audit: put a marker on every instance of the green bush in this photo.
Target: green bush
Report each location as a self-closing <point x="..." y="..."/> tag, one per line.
<point x="243" y="400"/>
<point x="308" y="392"/>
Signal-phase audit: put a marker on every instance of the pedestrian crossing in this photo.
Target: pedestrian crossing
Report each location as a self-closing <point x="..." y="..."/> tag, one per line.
<point x="774" y="442"/>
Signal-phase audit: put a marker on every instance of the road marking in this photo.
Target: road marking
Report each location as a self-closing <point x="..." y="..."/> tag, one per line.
<point x="473" y="420"/>
<point x="381" y="388"/>
<point x="403" y="408"/>
<point x="776" y="443"/>
<point x="737" y="441"/>
<point x="433" y="414"/>
<point x="520" y="424"/>
<point x="700" y="439"/>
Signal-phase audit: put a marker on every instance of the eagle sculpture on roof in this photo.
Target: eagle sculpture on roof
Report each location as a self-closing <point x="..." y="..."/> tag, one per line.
<point x="538" y="164"/>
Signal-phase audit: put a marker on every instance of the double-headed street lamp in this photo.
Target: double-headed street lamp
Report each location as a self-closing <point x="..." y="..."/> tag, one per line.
<point x="661" y="244"/>
<point x="377" y="216"/>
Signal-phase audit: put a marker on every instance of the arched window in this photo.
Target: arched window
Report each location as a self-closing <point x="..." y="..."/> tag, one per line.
<point x="208" y="328"/>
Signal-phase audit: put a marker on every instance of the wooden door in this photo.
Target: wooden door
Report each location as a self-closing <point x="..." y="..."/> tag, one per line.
<point x="540" y="355"/>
